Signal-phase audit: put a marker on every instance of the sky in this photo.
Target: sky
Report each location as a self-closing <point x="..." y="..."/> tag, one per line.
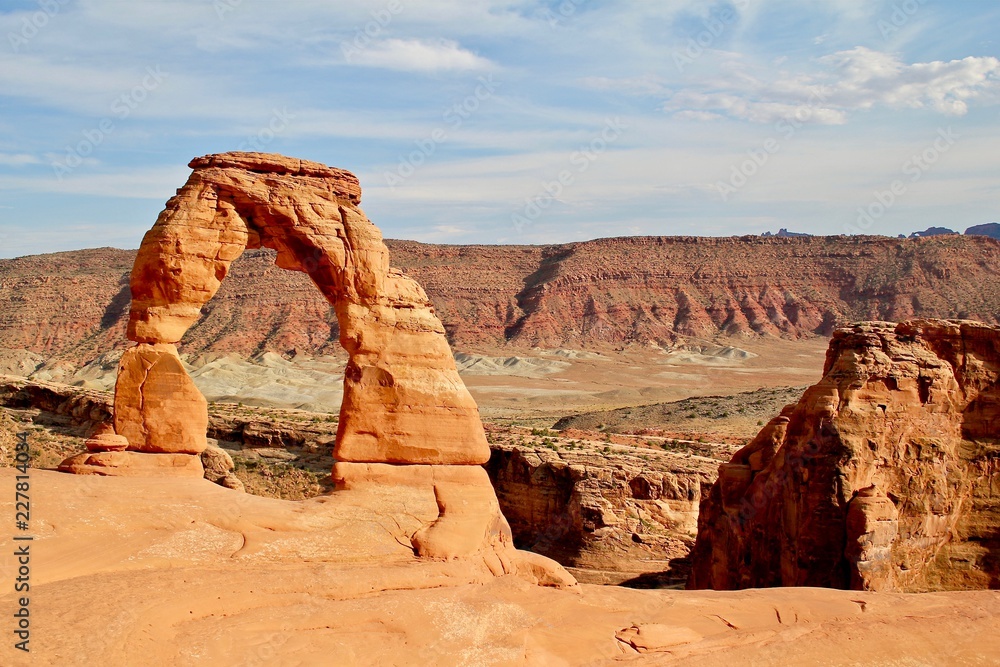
<point x="503" y="121"/>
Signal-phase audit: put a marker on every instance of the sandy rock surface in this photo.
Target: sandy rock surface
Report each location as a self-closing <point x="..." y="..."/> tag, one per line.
<point x="184" y="572"/>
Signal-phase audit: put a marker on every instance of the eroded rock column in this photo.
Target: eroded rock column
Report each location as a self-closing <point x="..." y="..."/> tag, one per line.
<point x="160" y="415"/>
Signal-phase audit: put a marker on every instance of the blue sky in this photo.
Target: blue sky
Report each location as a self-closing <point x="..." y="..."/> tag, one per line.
<point x="491" y="121"/>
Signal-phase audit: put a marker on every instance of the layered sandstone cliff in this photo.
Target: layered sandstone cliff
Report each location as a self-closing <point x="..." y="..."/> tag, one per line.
<point x="608" y="291"/>
<point x="884" y="476"/>
<point x="613" y="516"/>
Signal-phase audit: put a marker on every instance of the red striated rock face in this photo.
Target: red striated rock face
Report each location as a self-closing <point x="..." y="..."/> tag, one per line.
<point x="642" y="289"/>
<point x="604" y="291"/>
<point x="884" y="476"/>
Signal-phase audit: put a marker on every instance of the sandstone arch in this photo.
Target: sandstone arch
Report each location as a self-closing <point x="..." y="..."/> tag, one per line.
<point x="407" y="420"/>
<point x="403" y="399"/>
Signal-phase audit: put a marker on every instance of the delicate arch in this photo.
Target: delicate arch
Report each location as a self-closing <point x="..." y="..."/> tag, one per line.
<point x="403" y="399"/>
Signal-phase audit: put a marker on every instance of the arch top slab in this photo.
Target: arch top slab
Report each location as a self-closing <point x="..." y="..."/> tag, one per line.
<point x="404" y="402"/>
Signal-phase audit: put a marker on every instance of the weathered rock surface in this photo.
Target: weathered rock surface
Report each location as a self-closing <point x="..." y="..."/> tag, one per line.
<point x="189" y="573"/>
<point x="469" y="521"/>
<point x="626" y="290"/>
<point x="107" y="442"/>
<point x="157" y="407"/>
<point x="219" y="468"/>
<point x="611" y="517"/>
<point x="884" y="476"/>
<point x="134" y="464"/>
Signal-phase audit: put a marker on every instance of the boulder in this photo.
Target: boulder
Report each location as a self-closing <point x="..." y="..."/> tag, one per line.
<point x="219" y="468"/>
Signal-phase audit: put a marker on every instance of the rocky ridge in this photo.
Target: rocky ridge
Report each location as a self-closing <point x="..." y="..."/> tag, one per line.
<point x="594" y="293"/>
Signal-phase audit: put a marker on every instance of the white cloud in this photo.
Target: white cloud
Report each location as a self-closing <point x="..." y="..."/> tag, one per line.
<point x="450" y="229"/>
<point x="871" y="77"/>
<point x="150" y="183"/>
<point x="854" y="80"/>
<point x="415" y="55"/>
<point x="640" y="85"/>
<point x="697" y="115"/>
<point x="17" y="159"/>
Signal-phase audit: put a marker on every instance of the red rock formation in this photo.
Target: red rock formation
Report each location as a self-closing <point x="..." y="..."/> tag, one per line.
<point x="884" y="476"/>
<point x="609" y="518"/>
<point x="133" y="464"/>
<point x="604" y="291"/>
<point x="403" y="399"/>
<point x="407" y="419"/>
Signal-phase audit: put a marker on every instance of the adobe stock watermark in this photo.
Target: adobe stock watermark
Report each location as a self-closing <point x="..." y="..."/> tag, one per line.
<point x="914" y="167"/>
<point x="580" y="161"/>
<point x="454" y="117"/>
<point x="224" y="7"/>
<point x="363" y="35"/>
<point x="121" y="108"/>
<point x="31" y="25"/>
<point x="741" y="173"/>
<point x="22" y="542"/>
<point x="562" y="12"/>
<point x="266" y="134"/>
<point x="901" y="14"/>
<point x="714" y="27"/>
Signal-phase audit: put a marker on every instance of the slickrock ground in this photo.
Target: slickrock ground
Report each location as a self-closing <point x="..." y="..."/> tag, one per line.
<point x="607" y="291"/>
<point x="184" y="572"/>
<point x="885" y="475"/>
